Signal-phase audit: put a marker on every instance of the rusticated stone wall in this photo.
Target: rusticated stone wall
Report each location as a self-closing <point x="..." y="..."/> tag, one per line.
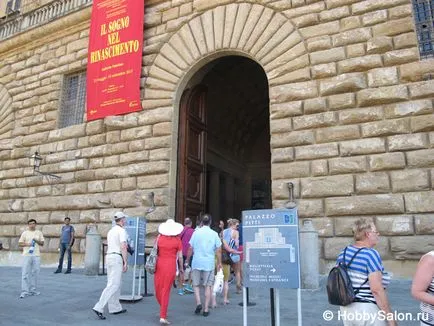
<point x="351" y="117"/>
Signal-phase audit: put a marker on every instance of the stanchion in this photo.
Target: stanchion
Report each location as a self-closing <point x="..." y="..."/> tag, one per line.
<point x="103" y="249"/>
<point x="146" y="294"/>
<point x="249" y="303"/>
<point x="273" y="311"/>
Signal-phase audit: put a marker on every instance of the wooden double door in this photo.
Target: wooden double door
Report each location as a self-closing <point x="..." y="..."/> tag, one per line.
<point x="191" y="188"/>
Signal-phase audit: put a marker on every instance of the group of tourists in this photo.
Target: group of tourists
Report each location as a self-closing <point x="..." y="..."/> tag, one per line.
<point x="369" y="281"/>
<point x="205" y="251"/>
<point x="180" y="248"/>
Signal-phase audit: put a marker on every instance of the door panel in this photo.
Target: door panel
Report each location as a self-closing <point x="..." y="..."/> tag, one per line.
<point x="192" y="154"/>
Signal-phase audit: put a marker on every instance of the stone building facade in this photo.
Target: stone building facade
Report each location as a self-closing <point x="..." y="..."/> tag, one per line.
<point x="328" y="94"/>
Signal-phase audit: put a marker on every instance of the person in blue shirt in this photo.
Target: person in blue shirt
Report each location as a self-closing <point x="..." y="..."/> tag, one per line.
<point x="65" y="244"/>
<point x="205" y="245"/>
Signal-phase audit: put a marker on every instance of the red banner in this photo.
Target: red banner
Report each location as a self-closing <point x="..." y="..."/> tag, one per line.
<point x="115" y="58"/>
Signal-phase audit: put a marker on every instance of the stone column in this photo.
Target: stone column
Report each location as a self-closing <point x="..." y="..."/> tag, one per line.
<point x="230" y="193"/>
<point x="214" y="194"/>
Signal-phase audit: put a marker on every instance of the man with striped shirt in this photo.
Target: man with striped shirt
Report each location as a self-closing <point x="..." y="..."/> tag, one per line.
<point x="368" y="278"/>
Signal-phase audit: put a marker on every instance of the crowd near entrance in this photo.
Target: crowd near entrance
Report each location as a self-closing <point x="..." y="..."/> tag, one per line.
<point x="224" y="160"/>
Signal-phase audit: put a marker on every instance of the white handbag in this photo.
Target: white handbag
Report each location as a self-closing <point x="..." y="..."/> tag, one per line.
<point x="218" y="282"/>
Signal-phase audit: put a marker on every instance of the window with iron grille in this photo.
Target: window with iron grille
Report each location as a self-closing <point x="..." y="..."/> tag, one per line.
<point x="73" y="100"/>
<point x="423" y="11"/>
<point x="13" y="6"/>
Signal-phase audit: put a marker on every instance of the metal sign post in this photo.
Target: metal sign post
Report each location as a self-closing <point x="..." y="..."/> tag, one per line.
<point x="151" y="199"/>
<point x="271" y="251"/>
<point x="135" y="227"/>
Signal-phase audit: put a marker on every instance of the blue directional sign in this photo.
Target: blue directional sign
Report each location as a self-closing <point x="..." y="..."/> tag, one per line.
<point x="271" y="248"/>
<point x="136" y="229"/>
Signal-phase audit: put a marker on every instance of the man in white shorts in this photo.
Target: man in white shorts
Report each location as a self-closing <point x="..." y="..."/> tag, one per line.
<point x="205" y="244"/>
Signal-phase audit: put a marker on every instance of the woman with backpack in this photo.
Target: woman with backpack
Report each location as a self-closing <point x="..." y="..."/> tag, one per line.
<point x="230" y="255"/>
<point x="368" y="279"/>
<point x="422" y="288"/>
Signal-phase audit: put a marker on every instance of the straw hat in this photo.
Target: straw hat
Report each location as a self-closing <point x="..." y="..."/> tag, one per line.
<point x="170" y="228"/>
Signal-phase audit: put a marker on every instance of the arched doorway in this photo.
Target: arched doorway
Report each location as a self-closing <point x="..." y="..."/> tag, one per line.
<point x="224" y="141"/>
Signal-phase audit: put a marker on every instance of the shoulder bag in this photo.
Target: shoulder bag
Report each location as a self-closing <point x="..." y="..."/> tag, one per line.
<point x="151" y="261"/>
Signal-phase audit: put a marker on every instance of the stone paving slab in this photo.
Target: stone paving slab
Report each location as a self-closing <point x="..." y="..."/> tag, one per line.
<point x="68" y="299"/>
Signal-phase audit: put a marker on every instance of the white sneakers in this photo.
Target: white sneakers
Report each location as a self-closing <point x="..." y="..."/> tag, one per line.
<point x="164" y="321"/>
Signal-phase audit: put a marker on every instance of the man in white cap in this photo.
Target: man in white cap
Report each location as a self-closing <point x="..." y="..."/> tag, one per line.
<point x="117" y="264"/>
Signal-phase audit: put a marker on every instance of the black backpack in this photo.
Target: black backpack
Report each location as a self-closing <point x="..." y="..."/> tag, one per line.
<point x="340" y="290"/>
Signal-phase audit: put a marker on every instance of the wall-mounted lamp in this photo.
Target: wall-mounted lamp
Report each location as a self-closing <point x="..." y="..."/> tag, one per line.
<point x="151" y="199"/>
<point x="291" y="202"/>
<point x="35" y="161"/>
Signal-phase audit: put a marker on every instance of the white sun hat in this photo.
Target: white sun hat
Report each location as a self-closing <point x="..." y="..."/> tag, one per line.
<point x="170" y="228"/>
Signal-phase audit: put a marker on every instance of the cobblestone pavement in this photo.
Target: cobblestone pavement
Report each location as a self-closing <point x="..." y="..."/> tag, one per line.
<point x="68" y="299"/>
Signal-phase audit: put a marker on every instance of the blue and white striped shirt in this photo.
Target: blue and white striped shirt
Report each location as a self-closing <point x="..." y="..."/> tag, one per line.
<point x="426" y="308"/>
<point x="367" y="261"/>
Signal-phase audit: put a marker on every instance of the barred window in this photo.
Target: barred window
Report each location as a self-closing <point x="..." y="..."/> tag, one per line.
<point x="13" y="6"/>
<point x="424" y="19"/>
<point x="73" y="100"/>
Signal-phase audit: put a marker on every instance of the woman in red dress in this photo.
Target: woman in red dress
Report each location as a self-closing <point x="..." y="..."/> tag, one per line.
<point x="169" y="249"/>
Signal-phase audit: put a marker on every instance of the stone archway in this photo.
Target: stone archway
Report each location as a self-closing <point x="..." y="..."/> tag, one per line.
<point x="245" y="29"/>
<point x="258" y="32"/>
<point x="6" y="114"/>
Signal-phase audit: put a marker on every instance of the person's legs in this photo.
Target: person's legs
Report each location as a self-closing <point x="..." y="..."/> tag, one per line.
<point x="225" y="292"/>
<point x="114" y="304"/>
<point x="157" y="287"/>
<point x="196" y="276"/>
<point x="226" y="273"/>
<point x="180" y="280"/>
<point x="237" y="271"/>
<point x="25" y="274"/>
<point x="62" y="254"/>
<point x="114" y="268"/>
<point x="208" y="293"/>
<point x="69" y="250"/>
<point x="165" y="297"/>
<point x="197" y="297"/>
<point x="36" y="266"/>
<point x="213" y="300"/>
<point x="208" y="281"/>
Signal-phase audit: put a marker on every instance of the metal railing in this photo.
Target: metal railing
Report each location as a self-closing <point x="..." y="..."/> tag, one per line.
<point x="40" y="16"/>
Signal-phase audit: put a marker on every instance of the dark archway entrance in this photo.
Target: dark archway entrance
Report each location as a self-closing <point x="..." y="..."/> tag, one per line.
<point x="224" y="160"/>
